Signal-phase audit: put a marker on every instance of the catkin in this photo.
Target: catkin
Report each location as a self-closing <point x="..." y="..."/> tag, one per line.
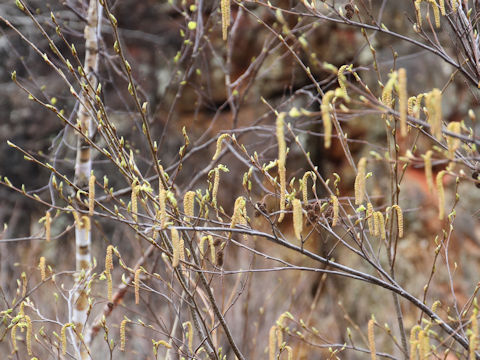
<point x="473" y="335"/>
<point x="336" y="207"/>
<point x="342" y="80"/>
<point x="218" y="149"/>
<point x="403" y="100"/>
<point x="212" y="249"/>
<point x="238" y="212"/>
<point x="453" y="143"/>
<point x="326" y="118"/>
<point x="176" y="247"/>
<point x="123" y="325"/>
<point x="216" y="182"/>
<point x="441" y="195"/>
<point x="188" y="204"/>
<point x="289" y="352"/>
<point x="13" y="336"/>
<point x="304" y="185"/>
<point x="387" y="91"/>
<point x="108" y="268"/>
<point x="188" y="324"/>
<point x="414" y="342"/>
<point x="134" y="201"/>
<point x="433" y="102"/>
<point x="424" y="345"/>
<point x="371" y="339"/>
<point x="109" y="258"/>
<point x="360" y="181"/>
<point x="297" y="218"/>
<point x="399" y="219"/>
<point x="29" y="334"/>
<point x="225" y="8"/>
<point x="162" y="199"/>
<point x="411" y="105"/>
<point x="282" y="156"/>
<point x="136" y="283"/>
<point x="63" y="338"/>
<point x="271" y="343"/>
<point x="370" y="218"/>
<point x="436" y="12"/>
<point x="442" y="7"/>
<point x="379" y="222"/>
<point x="91" y="194"/>
<point x="41" y="266"/>
<point x="427" y="159"/>
<point x="48" y="223"/>
<point x="418" y="12"/>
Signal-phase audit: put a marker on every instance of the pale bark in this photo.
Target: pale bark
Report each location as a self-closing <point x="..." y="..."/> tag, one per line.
<point x="83" y="168"/>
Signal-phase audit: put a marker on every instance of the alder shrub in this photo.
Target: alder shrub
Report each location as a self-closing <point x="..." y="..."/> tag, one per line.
<point x="243" y="180"/>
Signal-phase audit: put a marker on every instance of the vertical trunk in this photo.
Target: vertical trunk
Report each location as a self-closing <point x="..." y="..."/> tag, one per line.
<point x="83" y="168"/>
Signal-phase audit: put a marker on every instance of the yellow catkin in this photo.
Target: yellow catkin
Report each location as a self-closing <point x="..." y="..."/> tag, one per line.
<point x="238" y="212"/>
<point x="282" y="156"/>
<point x="399" y="212"/>
<point x="342" y="80"/>
<point x="289" y="352"/>
<point x="326" y="117"/>
<point x="279" y="335"/>
<point x="109" y="286"/>
<point x="123" y="337"/>
<point x="136" y="283"/>
<point x="370" y="218"/>
<point x="418" y="12"/>
<point x="134" y="201"/>
<point x="455" y="5"/>
<point x="433" y="102"/>
<point x="48" y="223"/>
<point x="380" y="225"/>
<point x="371" y="339"/>
<point x="108" y="268"/>
<point x="436" y="12"/>
<point x="336" y="209"/>
<point x="176" y="247"/>
<point x="441" y="195"/>
<point x="162" y="199"/>
<point x="272" y="342"/>
<point x="219" y="145"/>
<point x="188" y="204"/>
<point x="388" y="89"/>
<point x="411" y="105"/>
<point x="453" y="143"/>
<point x="28" y="340"/>
<point x="225" y="9"/>
<point x="212" y="249"/>
<point x="91" y="194"/>
<point x="360" y="181"/>
<point x="424" y="345"/>
<point x="41" y="267"/>
<point x="13" y="336"/>
<point x="414" y="342"/>
<point x="189" y="326"/>
<point x="403" y="100"/>
<point x="297" y="218"/>
<point x="216" y="181"/>
<point x="305" y="187"/>
<point x="473" y="335"/>
<point x="109" y="258"/>
<point x="427" y="158"/>
<point x="201" y="245"/>
<point x="283" y="186"/>
<point x="442" y="7"/>
<point x="63" y="338"/>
